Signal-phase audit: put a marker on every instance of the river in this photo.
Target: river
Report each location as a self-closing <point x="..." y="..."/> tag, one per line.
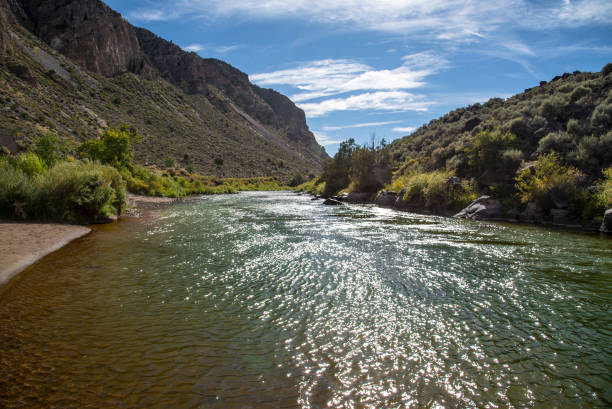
<point x="272" y="300"/>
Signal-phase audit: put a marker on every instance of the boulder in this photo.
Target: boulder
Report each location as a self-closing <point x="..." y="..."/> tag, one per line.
<point x="483" y="208"/>
<point x="358" y="197"/>
<point x="606" y="224"/>
<point x="400" y="203"/>
<point x="532" y="213"/>
<point x="386" y="199"/>
<point x="332" y="202"/>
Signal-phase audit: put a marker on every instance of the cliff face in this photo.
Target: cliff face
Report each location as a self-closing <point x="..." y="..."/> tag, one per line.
<point x="288" y="116"/>
<point x="80" y="67"/>
<point x="87" y="32"/>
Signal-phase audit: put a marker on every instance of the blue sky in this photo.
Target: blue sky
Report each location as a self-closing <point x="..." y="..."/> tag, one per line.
<point x="384" y="67"/>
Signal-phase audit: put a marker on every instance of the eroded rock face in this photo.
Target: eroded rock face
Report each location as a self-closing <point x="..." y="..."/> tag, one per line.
<point x="88" y="32"/>
<point x="483" y="208"/>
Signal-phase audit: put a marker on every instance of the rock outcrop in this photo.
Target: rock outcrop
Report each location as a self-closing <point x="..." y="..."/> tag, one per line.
<point x="89" y="33"/>
<point x="483" y="208"/>
<point x="386" y="199"/>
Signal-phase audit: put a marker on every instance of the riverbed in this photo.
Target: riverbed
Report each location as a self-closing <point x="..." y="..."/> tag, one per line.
<point x="272" y="300"/>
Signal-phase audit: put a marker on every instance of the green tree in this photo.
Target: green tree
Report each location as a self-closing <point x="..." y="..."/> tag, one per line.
<point x="113" y="148"/>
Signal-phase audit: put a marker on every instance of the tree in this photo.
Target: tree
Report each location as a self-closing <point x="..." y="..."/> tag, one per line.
<point x="113" y="148"/>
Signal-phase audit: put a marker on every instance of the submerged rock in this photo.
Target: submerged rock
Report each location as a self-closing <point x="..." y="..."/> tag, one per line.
<point x="483" y="208"/>
<point x="606" y="224"/>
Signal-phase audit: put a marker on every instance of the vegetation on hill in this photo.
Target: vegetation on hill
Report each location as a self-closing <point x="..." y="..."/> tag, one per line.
<point x="48" y="183"/>
<point x="550" y="145"/>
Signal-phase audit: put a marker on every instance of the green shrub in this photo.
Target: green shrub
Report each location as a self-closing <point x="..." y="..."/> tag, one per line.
<point x="49" y="148"/>
<point x="553" y="184"/>
<point x="29" y="163"/>
<point x="78" y="192"/>
<point x="170" y="163"/>
<point x="113" y="148"/>
<point x="560" y="142"/>
<point x="15" y="191"/>
<point x="601" y="119"/>
<point x="297" y="180"/>
<point x="605" y="189"/>
<point x="68" y="192"/>
<point x="579" y="93"/>
<point x="488" y="148"/>
<point x="432" y="190"/>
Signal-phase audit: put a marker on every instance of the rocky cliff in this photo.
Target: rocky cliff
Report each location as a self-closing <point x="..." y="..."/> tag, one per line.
<point x="87" y="32"/>
<point x="105" y="71"/>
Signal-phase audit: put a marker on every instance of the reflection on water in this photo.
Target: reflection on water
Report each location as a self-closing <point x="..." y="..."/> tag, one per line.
<point x="271" y="300"/>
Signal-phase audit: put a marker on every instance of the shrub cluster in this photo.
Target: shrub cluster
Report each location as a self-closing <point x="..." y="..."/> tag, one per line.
<point x="73" y="192"/>
<point x="434" y="191"/>
<point x="358" y="168"/>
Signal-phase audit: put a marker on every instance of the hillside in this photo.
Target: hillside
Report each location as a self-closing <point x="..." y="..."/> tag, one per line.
<point x="77" y="67"/>
<point x="571" y="115"/>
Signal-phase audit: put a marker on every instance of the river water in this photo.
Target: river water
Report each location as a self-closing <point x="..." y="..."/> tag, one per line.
<point x="271" y="300"/>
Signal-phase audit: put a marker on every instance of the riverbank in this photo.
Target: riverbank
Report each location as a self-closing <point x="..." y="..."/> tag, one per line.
<point x="25" y="243"/>
<point x="484" y="208"/>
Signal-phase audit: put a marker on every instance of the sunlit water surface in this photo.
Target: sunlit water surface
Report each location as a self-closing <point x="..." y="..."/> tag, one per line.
<point x="266" y="300"/>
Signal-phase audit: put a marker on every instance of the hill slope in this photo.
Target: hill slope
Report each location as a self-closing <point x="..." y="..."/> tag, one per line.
<point x="77" y="67"/>
<point x="571" y="115"/>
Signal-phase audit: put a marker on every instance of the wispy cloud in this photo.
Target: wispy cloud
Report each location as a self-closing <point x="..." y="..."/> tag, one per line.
<point x="324" y="140"/>
<point x="398" y="101"/>
<point x="408" y="129"/>
<point x="194" y="48"/>
<point x="446" y="20"/>
<point x="228" y="48"/>
<point x="326" y="78"/>
<point x="363" y="125"/>
<point x="153" y="15"/>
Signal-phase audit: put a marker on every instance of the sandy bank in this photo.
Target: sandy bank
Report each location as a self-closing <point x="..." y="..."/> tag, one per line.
<point x="22" y="244"/>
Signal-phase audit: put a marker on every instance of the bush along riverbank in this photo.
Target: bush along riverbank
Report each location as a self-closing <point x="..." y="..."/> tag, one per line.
<point x="546" y="191"/>
<point x="88" y="183"/>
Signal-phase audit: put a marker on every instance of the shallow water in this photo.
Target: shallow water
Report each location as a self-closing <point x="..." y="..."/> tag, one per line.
<point x="266" y="300"/>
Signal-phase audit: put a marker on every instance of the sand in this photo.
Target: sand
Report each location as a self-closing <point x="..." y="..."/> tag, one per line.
<point x="22" y="244"/>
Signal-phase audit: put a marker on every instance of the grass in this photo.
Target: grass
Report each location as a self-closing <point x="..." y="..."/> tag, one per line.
<point x="180" y="183"/>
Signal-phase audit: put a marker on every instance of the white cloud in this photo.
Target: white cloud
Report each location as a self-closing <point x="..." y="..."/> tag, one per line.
<point x="152" y="15"/>
<point x="408" y="129"/>
<point x="194" y="48"/>
<point x="363" y="125"/>
<point x="446" y="20"/>
<point x="586" y="11"/>
<point x="324" y="140"/>
<point x="227" y="48"/>
<point x="400" y="101"/>
<point x="324" y="78"/>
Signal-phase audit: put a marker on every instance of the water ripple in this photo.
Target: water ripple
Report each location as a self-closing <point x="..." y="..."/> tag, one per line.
<point x="271" y="300"/>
